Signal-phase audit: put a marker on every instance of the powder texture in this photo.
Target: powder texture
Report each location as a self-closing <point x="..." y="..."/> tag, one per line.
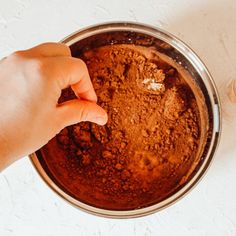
<point x="145" y="151"/>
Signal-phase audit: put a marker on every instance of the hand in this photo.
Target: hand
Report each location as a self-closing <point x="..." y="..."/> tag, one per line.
<point x="30" y="86"/>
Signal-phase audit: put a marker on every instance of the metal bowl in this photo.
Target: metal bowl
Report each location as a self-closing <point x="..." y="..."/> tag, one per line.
<point x="169" y="45"/>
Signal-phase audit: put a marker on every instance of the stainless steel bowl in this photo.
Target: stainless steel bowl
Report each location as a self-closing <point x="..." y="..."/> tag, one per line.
<point x="127" y="32"/>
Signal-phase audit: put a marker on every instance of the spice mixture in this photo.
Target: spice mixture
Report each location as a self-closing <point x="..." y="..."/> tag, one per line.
<point x="145" y="151"/>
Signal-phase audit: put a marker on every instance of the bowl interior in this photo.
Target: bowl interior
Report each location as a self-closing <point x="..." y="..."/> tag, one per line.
<point x="190" y="67"/>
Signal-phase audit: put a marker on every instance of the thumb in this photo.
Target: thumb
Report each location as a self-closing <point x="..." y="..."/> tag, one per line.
<point x="75" y="111"/>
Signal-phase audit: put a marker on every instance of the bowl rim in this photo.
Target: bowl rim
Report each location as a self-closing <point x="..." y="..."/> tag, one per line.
<point x="208" y="81"/>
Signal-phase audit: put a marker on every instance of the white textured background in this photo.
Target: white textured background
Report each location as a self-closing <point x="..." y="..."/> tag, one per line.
<point x="29" y="207"/>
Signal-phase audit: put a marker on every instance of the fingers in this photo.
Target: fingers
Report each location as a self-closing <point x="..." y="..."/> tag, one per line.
<point x="48" y="50"/>
<point x="69" y="71"/>
<point x="74" y="111"/>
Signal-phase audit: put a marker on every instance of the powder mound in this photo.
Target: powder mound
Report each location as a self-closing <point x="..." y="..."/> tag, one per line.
<point x="150" y="141"/>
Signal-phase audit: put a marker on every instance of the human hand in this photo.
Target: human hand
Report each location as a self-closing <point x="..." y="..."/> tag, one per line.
<point x="30" y="86"/>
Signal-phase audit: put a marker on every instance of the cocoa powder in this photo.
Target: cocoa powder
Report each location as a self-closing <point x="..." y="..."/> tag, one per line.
<point x="146" y="149"/>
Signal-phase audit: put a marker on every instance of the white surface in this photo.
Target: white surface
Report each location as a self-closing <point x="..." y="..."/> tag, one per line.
<point x="29" y="207"/>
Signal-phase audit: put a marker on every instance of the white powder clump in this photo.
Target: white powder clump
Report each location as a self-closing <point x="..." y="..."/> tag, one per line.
<point x="146" y="81"/>
<point x="153" y="85"/>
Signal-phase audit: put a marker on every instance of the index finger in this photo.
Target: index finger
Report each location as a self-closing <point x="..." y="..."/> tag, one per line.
<point x="70" y="71"/>
<point x="50" y="49"/>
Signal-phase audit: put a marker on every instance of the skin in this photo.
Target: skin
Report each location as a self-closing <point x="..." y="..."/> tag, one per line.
<point x="30" y="86"/>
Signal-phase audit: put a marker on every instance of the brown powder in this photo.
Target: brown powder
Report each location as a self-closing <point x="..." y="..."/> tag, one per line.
<point x="150" y="142"/>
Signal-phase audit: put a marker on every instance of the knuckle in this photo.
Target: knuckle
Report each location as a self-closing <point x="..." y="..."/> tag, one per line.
<point x="83" y="115"/>
<point x="17" y="54"/>
<point x="67" y="48"/>
<point x="37" y="66"/>
<point x="82" y="64"/>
